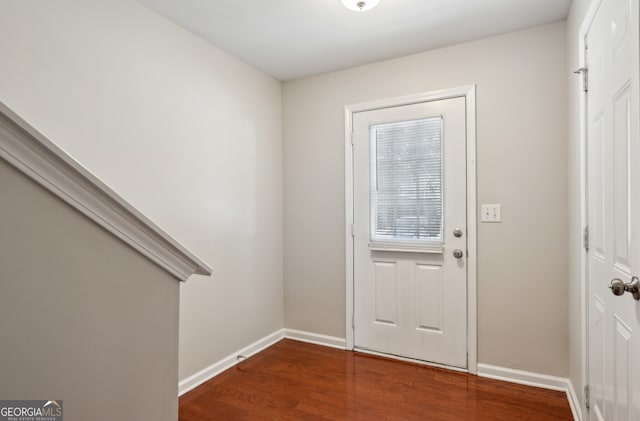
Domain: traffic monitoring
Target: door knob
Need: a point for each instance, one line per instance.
(618, 287)
(457, 232)
(457, 253)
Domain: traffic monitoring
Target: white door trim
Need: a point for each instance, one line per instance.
(589, 16)
(469, 93)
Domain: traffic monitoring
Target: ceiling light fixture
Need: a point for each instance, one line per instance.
(360, 5)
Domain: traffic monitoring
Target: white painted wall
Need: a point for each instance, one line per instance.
(186, 133)
(522, 164)
(576, 298)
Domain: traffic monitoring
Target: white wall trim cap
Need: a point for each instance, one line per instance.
(30, 152)
(528, 378)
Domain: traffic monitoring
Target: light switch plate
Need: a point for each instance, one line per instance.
(490, 213)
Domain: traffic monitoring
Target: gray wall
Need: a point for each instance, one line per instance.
(83, 317)
(522, 164)
(133, 97)
(186, 133)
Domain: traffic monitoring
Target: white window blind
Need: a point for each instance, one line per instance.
(407, 183)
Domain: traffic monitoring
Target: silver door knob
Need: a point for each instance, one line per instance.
(457, 253)
(457, 232)
(619, 288)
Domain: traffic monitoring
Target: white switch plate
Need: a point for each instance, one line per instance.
(490, 213)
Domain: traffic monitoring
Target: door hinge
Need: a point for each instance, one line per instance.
(585, 238)
(353, 230)
(351, 137)
(353, 321)
(586, 396)
(584, 71)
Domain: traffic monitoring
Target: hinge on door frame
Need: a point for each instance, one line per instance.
(584, 71)
(353, 230)
(586, 396)
(353, 321)
(352, 137)
(585, 237)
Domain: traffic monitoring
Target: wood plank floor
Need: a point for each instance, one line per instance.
(298, 381)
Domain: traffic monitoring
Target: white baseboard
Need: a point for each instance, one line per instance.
(574, 402)
(315, 338)
(226, 363)
(528, 378)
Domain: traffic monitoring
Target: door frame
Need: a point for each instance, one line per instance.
(590, 14)
(469, 93)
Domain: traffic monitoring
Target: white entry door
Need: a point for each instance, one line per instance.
(613, 212)
(410, 234)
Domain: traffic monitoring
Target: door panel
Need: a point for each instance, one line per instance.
(385, 292)
(429, 297)
(621, 370)
(597, 354)
(410, 292)
(622, 235)
(613, 210)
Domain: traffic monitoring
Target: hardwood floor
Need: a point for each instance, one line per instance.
(298, 381)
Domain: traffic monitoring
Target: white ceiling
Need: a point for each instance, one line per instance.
(289, 39)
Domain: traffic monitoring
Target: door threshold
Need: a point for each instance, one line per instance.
(410, 360)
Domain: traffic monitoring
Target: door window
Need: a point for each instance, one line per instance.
(406, 169)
